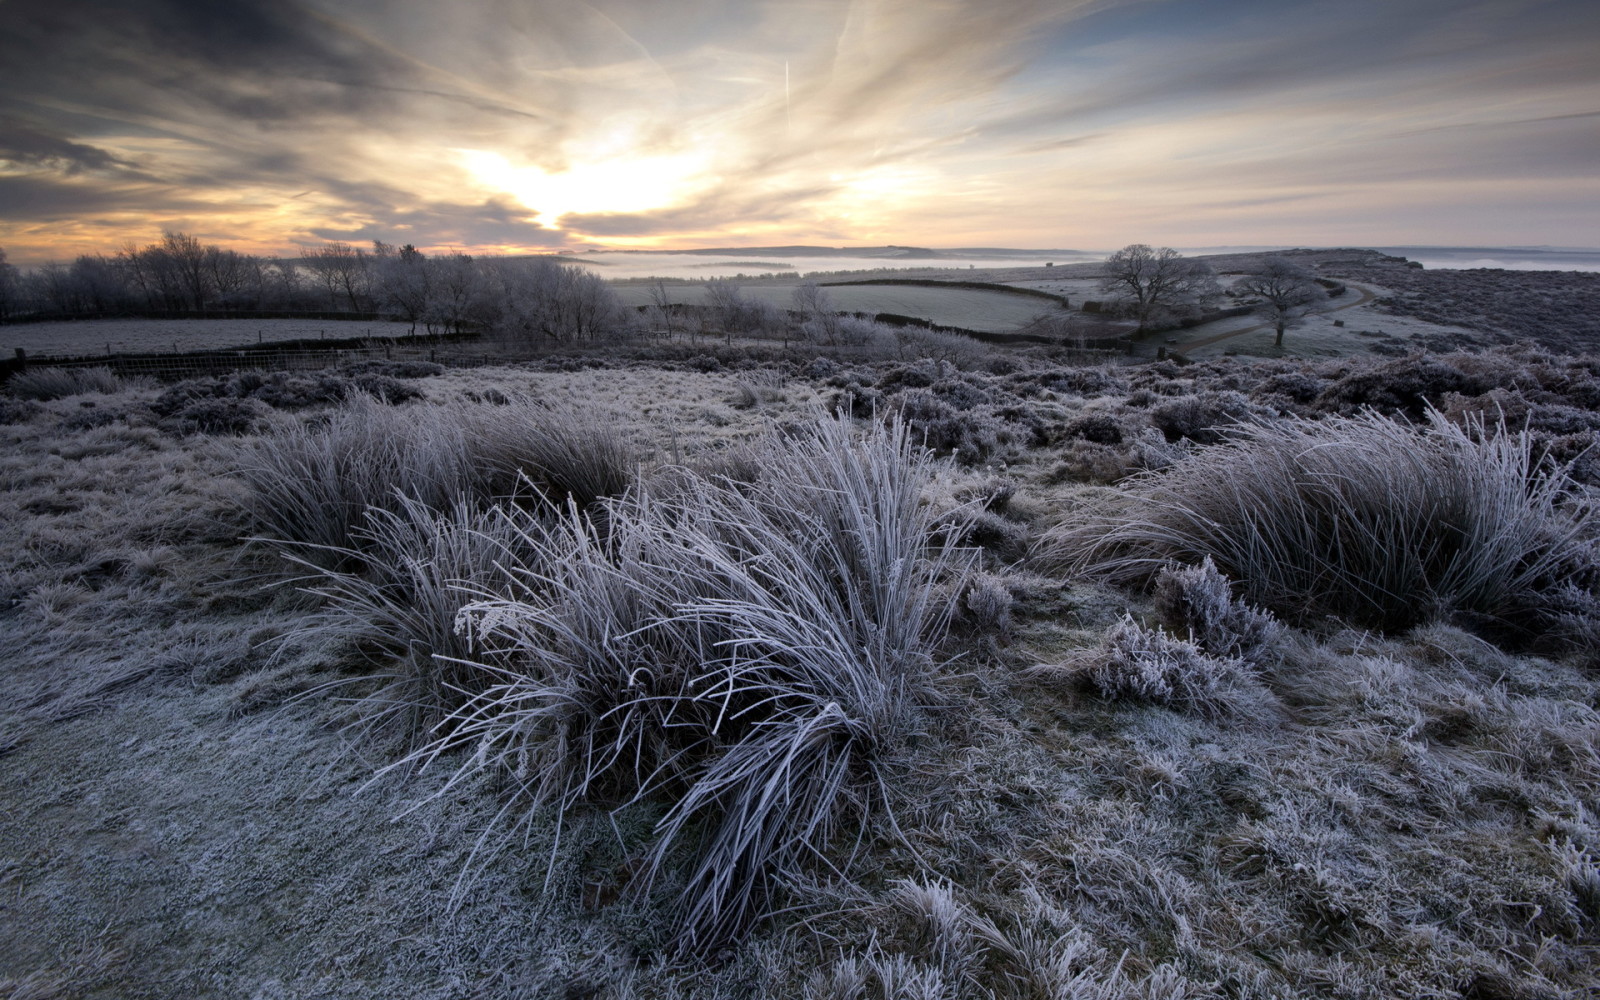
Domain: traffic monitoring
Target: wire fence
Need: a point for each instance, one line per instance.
(170, 367)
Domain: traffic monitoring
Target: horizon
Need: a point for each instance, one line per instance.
(536, 126)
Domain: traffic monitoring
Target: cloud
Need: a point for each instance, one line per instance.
(929, 122)
(25, 145)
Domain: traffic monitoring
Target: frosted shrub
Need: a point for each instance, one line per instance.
(1151, 665)
(1197, 601)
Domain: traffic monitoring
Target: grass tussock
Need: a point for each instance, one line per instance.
(1370, 521)
(58, 383)
(419, 566)
(311, 484)
(747, 652)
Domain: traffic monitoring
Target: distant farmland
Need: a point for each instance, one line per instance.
(968, 308)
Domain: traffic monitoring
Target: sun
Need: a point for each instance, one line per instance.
(602, 185)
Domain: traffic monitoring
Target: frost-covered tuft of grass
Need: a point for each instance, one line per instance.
(746, 651)
(312, 483)
(59, 383)
(418, 567)
(1371, 521)
(1153, 666)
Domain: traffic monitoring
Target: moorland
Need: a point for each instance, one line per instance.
(736, 646)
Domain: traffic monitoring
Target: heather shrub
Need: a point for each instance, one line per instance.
(1197, 601)
(992, 493)
(59, 383)
(1100, 428)
(1410, 385)
(972, 436)
(386, 388)
(286, 391)
(393, 369)
(1149, 665)
(1202, 417)
(88, 416)
(1364, 519)
(1090, 462)
(1293, 386)
(220, 416)
(986, 604)
(18, 411)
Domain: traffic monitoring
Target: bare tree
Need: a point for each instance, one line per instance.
(661, 306)
(342, 268)
(555, 300)
(725, 305)
(1155, 281)
(1286, 290)
(228, 271)
(817, 313)
(454, 291)
(402, 280)
(281, 281)
(187, 258)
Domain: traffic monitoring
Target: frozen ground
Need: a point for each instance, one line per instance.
(188, 813)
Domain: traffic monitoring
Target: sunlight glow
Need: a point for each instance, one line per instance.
(621, 183)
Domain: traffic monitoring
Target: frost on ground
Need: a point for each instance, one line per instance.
(221, 780)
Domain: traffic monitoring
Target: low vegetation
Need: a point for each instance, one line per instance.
(827, 674)
(1360, 519)
(1557, 309)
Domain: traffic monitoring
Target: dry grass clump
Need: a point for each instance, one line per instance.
(58, 383)
(419, 566)
(1361, 518)
(747, 652)
(311, 484)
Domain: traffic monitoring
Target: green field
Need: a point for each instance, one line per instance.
(968, 308)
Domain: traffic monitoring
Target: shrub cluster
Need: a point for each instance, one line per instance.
(1557, 309)
(381, 380)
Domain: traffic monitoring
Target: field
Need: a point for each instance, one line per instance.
(969, 309)
(797, 708)
(150, 336)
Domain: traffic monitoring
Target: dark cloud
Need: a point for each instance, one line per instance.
(494, 222)
(25, 145)
(349, 118)
(33, 198)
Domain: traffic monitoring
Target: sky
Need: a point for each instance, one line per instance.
(517, 125)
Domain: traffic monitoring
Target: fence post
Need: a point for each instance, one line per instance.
(22, 360)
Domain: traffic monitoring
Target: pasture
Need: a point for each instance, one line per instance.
(969, 309)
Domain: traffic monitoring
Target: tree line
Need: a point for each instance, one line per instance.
(443, 293)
